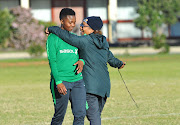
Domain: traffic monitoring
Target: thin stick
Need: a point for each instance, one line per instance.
(128, 90)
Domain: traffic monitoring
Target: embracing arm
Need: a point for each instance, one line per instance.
(74, 40)
(114, 62)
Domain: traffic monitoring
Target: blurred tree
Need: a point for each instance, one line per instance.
(153, 14)
(26, 30)
(35, 50)
(47, 24)
(5, 22)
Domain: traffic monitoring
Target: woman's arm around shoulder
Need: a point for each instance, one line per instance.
(72, 39)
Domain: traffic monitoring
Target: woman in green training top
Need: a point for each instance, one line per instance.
(66, 84)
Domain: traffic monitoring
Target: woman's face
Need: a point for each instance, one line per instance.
(68, 23)
(85, 29)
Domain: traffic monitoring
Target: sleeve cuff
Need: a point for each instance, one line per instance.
(51, 28)
(58, 82)
(120, 65)
(82, 60)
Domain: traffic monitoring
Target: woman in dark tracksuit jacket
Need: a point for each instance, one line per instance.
(94, 50)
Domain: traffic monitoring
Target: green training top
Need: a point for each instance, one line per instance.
(61, 58)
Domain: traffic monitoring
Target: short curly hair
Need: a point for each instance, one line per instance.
(66, 11)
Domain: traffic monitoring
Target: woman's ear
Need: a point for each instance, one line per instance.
(92, 31)
(62, 21)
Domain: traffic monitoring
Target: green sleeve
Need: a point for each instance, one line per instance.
(51, 53)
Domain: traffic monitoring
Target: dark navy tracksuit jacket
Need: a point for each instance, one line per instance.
(94, 50)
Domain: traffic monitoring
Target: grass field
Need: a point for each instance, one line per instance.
(153, 80)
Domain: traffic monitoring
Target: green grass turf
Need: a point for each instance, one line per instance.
(153, 80)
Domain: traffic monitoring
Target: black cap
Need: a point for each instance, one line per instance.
(94, 22)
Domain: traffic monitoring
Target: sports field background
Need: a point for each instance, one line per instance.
(153, 80)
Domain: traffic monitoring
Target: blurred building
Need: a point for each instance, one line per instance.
(117, 16)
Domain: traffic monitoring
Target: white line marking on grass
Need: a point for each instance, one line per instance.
(123, 117)
(153, 115)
